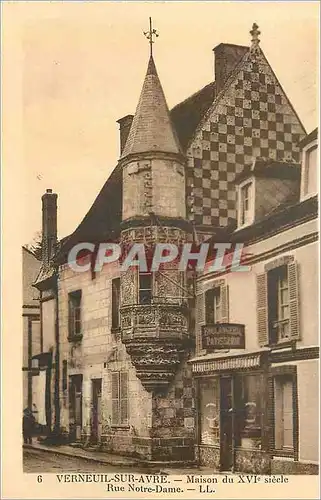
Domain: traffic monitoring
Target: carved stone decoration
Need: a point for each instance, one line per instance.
(155, 336)
(128, 286)
(155, 362)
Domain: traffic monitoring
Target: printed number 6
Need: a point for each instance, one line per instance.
(39, 479)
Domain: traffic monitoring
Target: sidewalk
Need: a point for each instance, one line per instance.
(90, 455)
(102, 457)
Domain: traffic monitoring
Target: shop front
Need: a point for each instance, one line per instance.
(232, 407)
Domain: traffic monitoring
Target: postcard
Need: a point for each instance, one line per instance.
(160, 250)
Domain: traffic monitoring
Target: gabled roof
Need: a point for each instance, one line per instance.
(187, 114)
(309, 138)
(270, 168)
(152, 129)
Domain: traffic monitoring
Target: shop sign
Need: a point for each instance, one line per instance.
(223, 336)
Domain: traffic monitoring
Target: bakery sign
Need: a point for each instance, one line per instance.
(223, 336)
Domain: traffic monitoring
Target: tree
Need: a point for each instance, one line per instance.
(35, 246)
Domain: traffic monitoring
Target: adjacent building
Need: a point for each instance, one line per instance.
(256, 365)
(122, 351)
(31, 324)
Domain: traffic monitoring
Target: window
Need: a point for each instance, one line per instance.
(283, 413)
(278, 312)
(210, 411)
(309, 174)
(213, 306)
(64, 375)
(145, 288)
(119, 388)
(279, 304)
(245, 204)
(248, 392)
(75, 313)
(115, 303)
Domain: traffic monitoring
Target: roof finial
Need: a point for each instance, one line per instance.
(255, 32)
(150, 35)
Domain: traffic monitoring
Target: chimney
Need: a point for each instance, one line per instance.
(227, 56)
(49, 225)
(124, 127)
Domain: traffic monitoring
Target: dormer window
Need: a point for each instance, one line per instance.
(309, 180)
(245, 207)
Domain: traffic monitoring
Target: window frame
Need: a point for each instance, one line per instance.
(115, 325)
(72, 309)
(212, 295)
(276, 324)
(241, 220)
(286, 372)
(305, 170)
(139, 289)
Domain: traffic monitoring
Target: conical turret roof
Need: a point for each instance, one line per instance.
(152, 129)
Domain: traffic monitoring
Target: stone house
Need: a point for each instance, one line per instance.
(120, 341)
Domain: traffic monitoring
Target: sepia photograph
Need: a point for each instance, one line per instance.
(168, 234)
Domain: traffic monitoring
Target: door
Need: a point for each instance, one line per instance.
(75, 417)
(226, 434)
(96, 410)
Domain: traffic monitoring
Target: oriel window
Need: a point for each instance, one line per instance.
(145, 288)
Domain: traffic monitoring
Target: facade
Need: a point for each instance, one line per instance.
(258, 402)
(31, 324)
(118, 345)
(46, 359)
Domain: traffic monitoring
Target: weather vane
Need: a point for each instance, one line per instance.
(150, 35)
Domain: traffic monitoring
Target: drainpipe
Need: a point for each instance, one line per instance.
(57, 430)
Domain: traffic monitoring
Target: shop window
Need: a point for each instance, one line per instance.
(145, 288)
(213, 310)
(210, 412)
(119, 389)
(74, 306)
(283, 414)
(115, 302)
(248, 392)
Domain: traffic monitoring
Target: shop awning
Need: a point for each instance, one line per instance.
(215, 362)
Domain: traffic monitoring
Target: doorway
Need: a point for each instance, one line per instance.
(96, 411)
(226, 424)
(75, 417)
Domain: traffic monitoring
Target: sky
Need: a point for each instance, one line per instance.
(73, 68)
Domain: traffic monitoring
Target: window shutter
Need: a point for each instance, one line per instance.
(200, 309)
(123, 397)
(294, 300)
(115, 398)
(224, 304)
(200, 319)
(262, 309)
